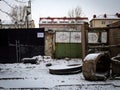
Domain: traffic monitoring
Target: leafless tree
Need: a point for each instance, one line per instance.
(75, 12)
(18, 13)
(7, 13)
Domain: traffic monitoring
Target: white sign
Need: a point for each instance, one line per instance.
(68, 37)
(104, 37)
(40, 35)
(92, 38)
(75, 37)
(62, 37)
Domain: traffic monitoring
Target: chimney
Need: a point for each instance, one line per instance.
(94, 16)
(105, 16)
(118, 15)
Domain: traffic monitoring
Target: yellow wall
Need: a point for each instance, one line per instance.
(102, 22)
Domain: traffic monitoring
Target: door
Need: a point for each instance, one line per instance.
(21, 43)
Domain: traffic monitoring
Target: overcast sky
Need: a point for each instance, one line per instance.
(60, 8)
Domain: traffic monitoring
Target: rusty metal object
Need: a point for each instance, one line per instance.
(96, 66)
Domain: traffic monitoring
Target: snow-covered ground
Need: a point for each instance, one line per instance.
(37, 76)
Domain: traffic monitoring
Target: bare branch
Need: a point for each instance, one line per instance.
(76, 12)
(8, 14)
(18, 13)
(7, 4)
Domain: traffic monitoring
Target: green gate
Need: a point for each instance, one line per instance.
(68, 44)
(70, 50)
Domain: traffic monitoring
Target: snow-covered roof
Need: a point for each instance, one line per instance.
(9, 22)
(62, 20)
(107, 16)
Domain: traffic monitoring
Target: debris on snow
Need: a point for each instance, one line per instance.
(36, 59)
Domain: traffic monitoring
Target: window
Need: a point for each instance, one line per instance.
(110, 22)
(103, 22)
(55, 22)
(66, 22)
(72, 22)
(49, 22)
(61, 21)
(79, 21)
(43, 21)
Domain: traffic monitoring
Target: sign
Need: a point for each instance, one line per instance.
(68, 37)
(75, 37)
(40, 35)
(104, 37)
(62, 37)
(92, 38)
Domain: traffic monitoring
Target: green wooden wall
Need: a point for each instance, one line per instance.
(69, 50)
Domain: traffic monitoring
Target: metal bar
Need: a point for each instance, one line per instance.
(106, 46)
(106, 28)
(16, 50)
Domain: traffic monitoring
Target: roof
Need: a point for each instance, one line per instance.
(9, 22)
(106, 16)
(115, 24)
(64, 18)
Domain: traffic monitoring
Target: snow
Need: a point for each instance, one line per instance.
(19, 75)
(108, 17)
(92, 56)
